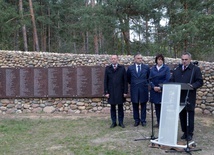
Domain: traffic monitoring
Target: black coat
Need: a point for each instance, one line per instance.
(115, 84)
(185, 76)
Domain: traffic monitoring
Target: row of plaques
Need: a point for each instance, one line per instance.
(81, 81)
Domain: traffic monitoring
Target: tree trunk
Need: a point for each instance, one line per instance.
(85, 38)
(43, 30)
(100, 41)
(126, 34)
(86, 42)
(49, 31)
(147, 34)
(185, 21)
(43, 37)
(96, 44)
(35, 36)
(23, 26)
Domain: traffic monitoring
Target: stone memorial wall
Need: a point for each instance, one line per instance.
(35, 82)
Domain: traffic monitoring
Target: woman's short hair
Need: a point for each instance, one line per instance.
(159, 56)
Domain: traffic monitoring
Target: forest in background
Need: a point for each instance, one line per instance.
(121, 27)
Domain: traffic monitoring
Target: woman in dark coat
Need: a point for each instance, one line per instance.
(116, 89)
(159, 74)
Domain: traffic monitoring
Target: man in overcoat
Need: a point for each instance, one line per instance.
(137, 77)
(190, 74)
(116, 89)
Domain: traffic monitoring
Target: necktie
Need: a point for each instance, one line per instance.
(138, 70)
(185, 67)
(114, 66)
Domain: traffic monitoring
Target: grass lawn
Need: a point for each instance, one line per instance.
(87, 135)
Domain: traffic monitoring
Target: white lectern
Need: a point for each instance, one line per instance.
(170, 109)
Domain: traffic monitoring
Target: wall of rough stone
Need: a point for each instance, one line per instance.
(205, 96)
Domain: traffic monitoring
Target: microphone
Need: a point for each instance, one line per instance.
(195, 63)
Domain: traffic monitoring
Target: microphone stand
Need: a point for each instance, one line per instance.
(152, 137)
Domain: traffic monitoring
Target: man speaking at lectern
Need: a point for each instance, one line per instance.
(191, 74)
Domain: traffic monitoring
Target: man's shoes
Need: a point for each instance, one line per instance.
(121, 125)
(113, 125)
(136, 124)
(184, 136)
(143, 123)
(189, 138)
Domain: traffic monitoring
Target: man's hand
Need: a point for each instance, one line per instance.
(107, 95)
(157, 89)
(125, 95)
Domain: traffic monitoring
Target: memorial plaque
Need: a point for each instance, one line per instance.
(83, 81)
(2, 83)
(97, 73)
(26, 82)
(40, 82)
(12, 82)
(69, 80)
(55, 82)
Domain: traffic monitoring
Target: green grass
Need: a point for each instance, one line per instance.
(57, 136)
(79, 136)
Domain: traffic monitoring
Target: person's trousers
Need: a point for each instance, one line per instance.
(136, 113)
(157, 112)
(183, 121)
(114, 113)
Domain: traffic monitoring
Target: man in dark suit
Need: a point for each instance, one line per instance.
(137, 77)
(116, 89)
(190, 74)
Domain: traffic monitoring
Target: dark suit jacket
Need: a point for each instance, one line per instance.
(138, 84)
(115, 84)
(180, 76)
